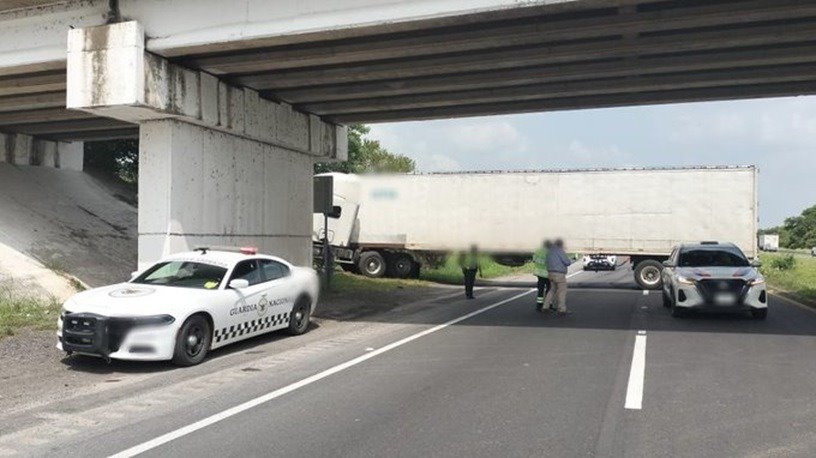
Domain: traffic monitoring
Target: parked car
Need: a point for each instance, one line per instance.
(187, 304)
(713, 276)
(600, 262)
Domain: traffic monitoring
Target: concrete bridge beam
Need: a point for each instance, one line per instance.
(218, 165)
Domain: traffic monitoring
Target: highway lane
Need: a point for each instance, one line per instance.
(514, 382)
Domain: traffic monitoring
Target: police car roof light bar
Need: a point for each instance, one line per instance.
(232, 249)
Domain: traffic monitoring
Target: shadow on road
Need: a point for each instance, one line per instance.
(95, 365)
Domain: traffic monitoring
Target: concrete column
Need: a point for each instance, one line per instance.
(218, 164)
(20, 149)
(70, 156)
(201, 187)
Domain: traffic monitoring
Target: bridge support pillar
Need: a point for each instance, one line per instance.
(218, 164)
(22, 149)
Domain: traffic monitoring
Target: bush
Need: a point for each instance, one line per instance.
(787, 262)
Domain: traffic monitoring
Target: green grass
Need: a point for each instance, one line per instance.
(18, 310)
(450, 272)
(347, 283)
(800, 280)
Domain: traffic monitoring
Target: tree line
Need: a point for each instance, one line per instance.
(796, 231)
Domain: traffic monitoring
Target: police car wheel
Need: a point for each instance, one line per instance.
(192, 341)
(299, 318)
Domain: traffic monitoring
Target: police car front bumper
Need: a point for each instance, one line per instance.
(125, 338)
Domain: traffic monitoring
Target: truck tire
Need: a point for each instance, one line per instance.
(400, 265)
(647, 274)
(371, 264)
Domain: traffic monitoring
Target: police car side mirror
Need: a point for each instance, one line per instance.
(238, 283)
(756, 263)
(668, 264)
(134, 274)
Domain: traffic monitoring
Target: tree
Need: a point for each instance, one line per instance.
(366, 155)
(800, 230)
(118, 159)
(796, 231)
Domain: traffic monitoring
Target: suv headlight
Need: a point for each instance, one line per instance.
(756, 281)
(684, 280)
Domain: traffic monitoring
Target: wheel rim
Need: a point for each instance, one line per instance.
(373, 266)
(650, 275)
(300, 317)
(194, 341)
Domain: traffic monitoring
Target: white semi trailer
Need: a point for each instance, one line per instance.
(388, 223)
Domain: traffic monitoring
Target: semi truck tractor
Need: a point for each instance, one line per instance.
(386, 225)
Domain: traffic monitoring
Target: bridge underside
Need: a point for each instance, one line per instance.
(581, 54)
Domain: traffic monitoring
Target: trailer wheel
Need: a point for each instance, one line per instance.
(400, 265)
(371, 264)
(647, 274)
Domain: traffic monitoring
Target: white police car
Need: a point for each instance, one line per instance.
(187, 304)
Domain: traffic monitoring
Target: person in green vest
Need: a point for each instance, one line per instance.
(540, 271)
(469, 262)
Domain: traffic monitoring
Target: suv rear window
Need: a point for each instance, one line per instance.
(708, 257)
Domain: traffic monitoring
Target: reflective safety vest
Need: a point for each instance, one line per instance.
(540, 263)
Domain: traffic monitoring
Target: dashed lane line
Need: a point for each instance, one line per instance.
(637, 374)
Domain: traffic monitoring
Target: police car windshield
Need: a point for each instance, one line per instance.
(719, 257)
(184, 274)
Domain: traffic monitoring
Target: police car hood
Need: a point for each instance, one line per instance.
(130, 299)
(702, 273)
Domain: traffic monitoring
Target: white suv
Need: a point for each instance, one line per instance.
(713, 276)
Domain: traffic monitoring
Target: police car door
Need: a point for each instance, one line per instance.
(249, 305)
(280, 293)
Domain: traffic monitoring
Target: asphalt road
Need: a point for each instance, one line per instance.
(505, 381)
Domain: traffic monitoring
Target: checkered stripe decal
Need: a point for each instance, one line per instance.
(249, 327)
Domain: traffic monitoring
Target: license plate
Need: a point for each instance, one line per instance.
(725, 299)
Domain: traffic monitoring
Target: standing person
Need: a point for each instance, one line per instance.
(557, 264)
(469, 262)
(540, 271)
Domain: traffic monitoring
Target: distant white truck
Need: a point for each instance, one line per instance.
(769, 242)
(387, 224)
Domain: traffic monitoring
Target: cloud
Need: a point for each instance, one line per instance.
(488, 135)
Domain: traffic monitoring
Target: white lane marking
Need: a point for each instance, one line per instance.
(634, 391)
(645, 292)
(172, 435)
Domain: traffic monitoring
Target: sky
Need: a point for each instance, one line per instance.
(777, 135)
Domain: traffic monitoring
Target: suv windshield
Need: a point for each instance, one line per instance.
(183, 274)
(698, 257)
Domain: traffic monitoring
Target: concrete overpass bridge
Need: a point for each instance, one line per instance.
(233, 101)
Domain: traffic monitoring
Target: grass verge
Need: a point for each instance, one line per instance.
(18, 310)
(451, 273)
(799, 280)
(346, 283)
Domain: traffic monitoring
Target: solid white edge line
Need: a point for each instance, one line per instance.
(634, 390)
(165, 438)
